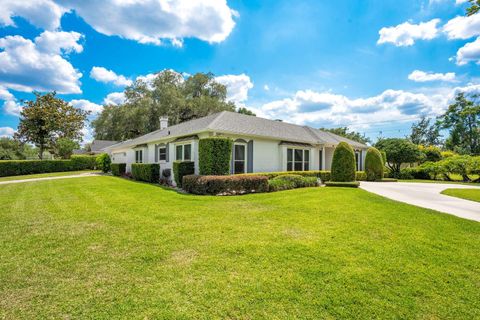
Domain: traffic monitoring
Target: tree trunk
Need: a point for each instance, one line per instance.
(465, 178)
(40, 152)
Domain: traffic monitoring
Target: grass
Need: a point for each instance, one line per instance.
(105, 247)
(441, 181)
(468, 194)
(45, 175)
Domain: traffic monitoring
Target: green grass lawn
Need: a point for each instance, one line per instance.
(105, 247)
(441, 181)
(469, 194)
(45, 175)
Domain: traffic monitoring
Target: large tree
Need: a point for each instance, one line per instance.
(398, 151)
(462, 119)
(424, 133)
(11, 149)
(169, 94)
(352, 135)
(46, 119)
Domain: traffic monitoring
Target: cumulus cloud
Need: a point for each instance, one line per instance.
(422, 76)
(463, 27)
(114, 98)
(237, 86)
(86, 105)
(469, 52)
(406, 33)
(27, 65)
(6, 132)
(108, 76)
(148, 21)
(5, 94)
(12, 107)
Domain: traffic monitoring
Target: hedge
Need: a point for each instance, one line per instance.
(84, 162)
(348, 184)
(343, 163)
(214, 156)
(148, 172)
(374, 164)
(225, 185)
(104, 162)
(181, 169)
(118, 169)
(291, 181)
(322, 175)
(24, 167)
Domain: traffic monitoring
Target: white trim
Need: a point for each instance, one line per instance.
(245, 161)
(182, 144)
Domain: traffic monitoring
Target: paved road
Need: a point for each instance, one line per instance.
(80, 175)
(427, 195)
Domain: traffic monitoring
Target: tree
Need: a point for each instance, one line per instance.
(246, 111)
(424, 133)
(47, 119)
(399, 151)
(462, 118)
(64, 147)
(169, 94)
(352, 135)
(474, 7)
(11, 149)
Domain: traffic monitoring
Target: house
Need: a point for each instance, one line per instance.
(260, 145)
(96, 147)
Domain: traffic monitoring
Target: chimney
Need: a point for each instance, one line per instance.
(163, 122)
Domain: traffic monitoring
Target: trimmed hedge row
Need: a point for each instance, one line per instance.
(224, 185)
(291, 181)
(118, 169)
(347, 184)
(181, 169)
(214, 156)
(322, 175)
(24, 167)
(148, 172)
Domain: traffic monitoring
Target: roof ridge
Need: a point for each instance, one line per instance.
(312, 133)
(215, 119)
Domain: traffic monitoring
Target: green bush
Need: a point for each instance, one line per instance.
(343, 163)
(361, 176)
(347, 184)
(387, 180)
(181, 169)
(118, 169)
(430, 154)
(374, 165)
(225, 185)
(103, 162)
(84, 162)
(384, 157)
(322, 175)
(214, 156)
(148, 172)
(291, 181)
(24, 167)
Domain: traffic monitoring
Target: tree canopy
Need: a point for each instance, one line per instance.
(424, 133)
(398, 151)
(352, 135)
(11, 149)
(169, 94)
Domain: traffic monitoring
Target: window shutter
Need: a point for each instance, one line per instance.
(250, 156)
(168, 152)
(156, 153)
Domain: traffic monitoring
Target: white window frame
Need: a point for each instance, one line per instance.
(303, 158)
(183, 151)
(162, 147)
(245, 161)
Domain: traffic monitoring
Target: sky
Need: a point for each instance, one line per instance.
(375, 66)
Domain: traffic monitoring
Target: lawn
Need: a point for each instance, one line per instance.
(45, 175)
(441, 181)
(468, 194)
(105, 247)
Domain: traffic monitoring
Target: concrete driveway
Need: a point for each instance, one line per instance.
(427, 195)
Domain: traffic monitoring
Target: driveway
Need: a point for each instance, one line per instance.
(80, 175)
(427, 195)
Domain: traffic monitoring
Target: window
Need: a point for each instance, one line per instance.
(298, 160)
(239, 158)
(321, 159)
(357, 160)
(183, 152)
(138, 156)
(162, 153)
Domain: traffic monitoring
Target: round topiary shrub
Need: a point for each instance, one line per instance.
(343, 163)
(374, 164)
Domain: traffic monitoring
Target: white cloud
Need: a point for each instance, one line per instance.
(45, 14)
(114, 98)
(87, 105)
(12, 107)
(5, 95)
(469, 52)
(104, 75)
(6, 132)
(463, 27)
(266, 87)
(422, 76)
(237, 86)
(406, 33)
(457, 2)
(147, 21)
(27, 65)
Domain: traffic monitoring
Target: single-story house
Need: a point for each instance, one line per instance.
(260, 145)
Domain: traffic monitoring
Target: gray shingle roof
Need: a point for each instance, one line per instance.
(236, 123)
(98, 145)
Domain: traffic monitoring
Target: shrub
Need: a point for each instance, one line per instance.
(347, 184)
(148, 172)
(23, 167)
(373, 164)
(214, 156)
(343, 163)
(384, 157)
(387, 180)
(291, 181)
(118, 169)
(431, 153)
(103, 162)
(361, 176)
(84, 162)
(181, 169)
(225, 185)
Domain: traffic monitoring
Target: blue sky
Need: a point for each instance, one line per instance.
(375, 66)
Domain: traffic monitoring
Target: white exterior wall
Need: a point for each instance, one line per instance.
(267, 156)
(328, 158)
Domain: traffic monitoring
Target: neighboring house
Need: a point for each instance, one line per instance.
(260, 145)
(96, 147)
